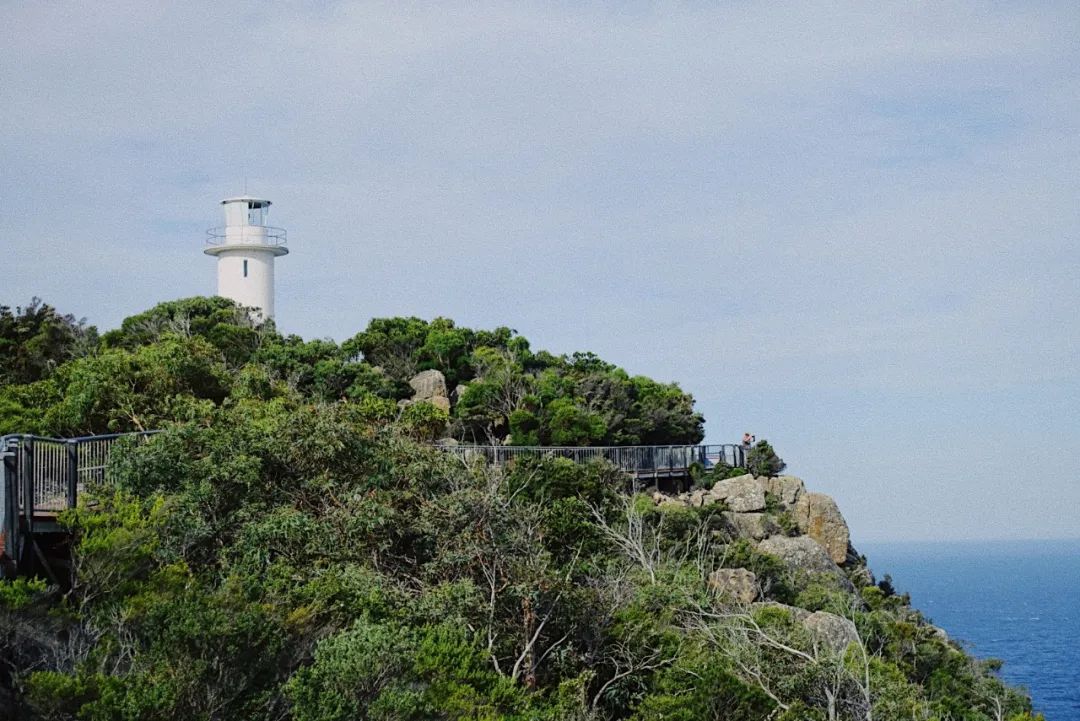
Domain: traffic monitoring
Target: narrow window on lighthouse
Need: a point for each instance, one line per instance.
(245, 269)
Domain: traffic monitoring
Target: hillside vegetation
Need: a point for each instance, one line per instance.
(182, 360)
(293, 547)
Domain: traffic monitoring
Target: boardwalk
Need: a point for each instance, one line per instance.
(641, 462)
(39, 477)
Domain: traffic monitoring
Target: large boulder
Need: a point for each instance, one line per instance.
(735, 584)
(428, 384)
(742, 494)
(832, 631)
(829, 630)
(788, 489)
(755, 526)
(802, 553)
(818, 516)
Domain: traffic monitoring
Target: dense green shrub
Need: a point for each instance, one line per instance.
(762, 460)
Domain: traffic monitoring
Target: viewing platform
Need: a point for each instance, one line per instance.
(40, 476)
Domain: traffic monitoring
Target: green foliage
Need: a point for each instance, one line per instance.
(787, 523)
(291, 546)
(119, 390)
(181, 359)
(570, 424)
(771, 572)
(820, 593)
(20, 592)
(423, 421)
(23, 408)
(384, 671)
(218, 321)
(719, 472)
(36, 339)
(763, 461)
(703, 688)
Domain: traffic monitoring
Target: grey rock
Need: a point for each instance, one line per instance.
(428, 384)
(802, 553)
(697, 498)
(755, 526)
(743, 494)
(832, 631)
(787, 489)
(735, 584)
(669, 501)
(829, 630)
(440, 402)
(818, 516)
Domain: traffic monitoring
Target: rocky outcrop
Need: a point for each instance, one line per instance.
(735, 584)
(786, 489)
(742, 494)
(429, 387)
(754, 505)
(440, 402)
(428, 384)
(818, 516)
(832, 631)
(802, 553)
(829, 630)
(755, 526)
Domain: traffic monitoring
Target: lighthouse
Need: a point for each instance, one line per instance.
(245, 249)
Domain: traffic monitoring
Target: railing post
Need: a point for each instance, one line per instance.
(9, 490)
(26, 470)
(72, 473)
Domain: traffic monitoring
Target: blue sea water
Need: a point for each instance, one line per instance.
(1018, 601)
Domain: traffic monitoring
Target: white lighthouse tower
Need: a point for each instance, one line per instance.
(245, 250)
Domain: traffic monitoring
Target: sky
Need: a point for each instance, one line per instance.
(850, 228)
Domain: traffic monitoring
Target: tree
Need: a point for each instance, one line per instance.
(233, 330)
(391, 344)
(763, 461)
(36, 339)
(176, 379)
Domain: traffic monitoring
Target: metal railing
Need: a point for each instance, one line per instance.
(639, 461)
(40, 476)
(246, 235)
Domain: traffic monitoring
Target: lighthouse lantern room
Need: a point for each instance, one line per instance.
(245, 249)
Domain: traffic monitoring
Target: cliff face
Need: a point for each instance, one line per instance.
(804, 530)
(760, 508)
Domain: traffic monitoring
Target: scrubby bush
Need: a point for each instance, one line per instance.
(762, 460)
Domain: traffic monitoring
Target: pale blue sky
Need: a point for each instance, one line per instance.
(849, 228)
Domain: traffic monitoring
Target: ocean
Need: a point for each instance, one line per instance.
(1018, 601)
